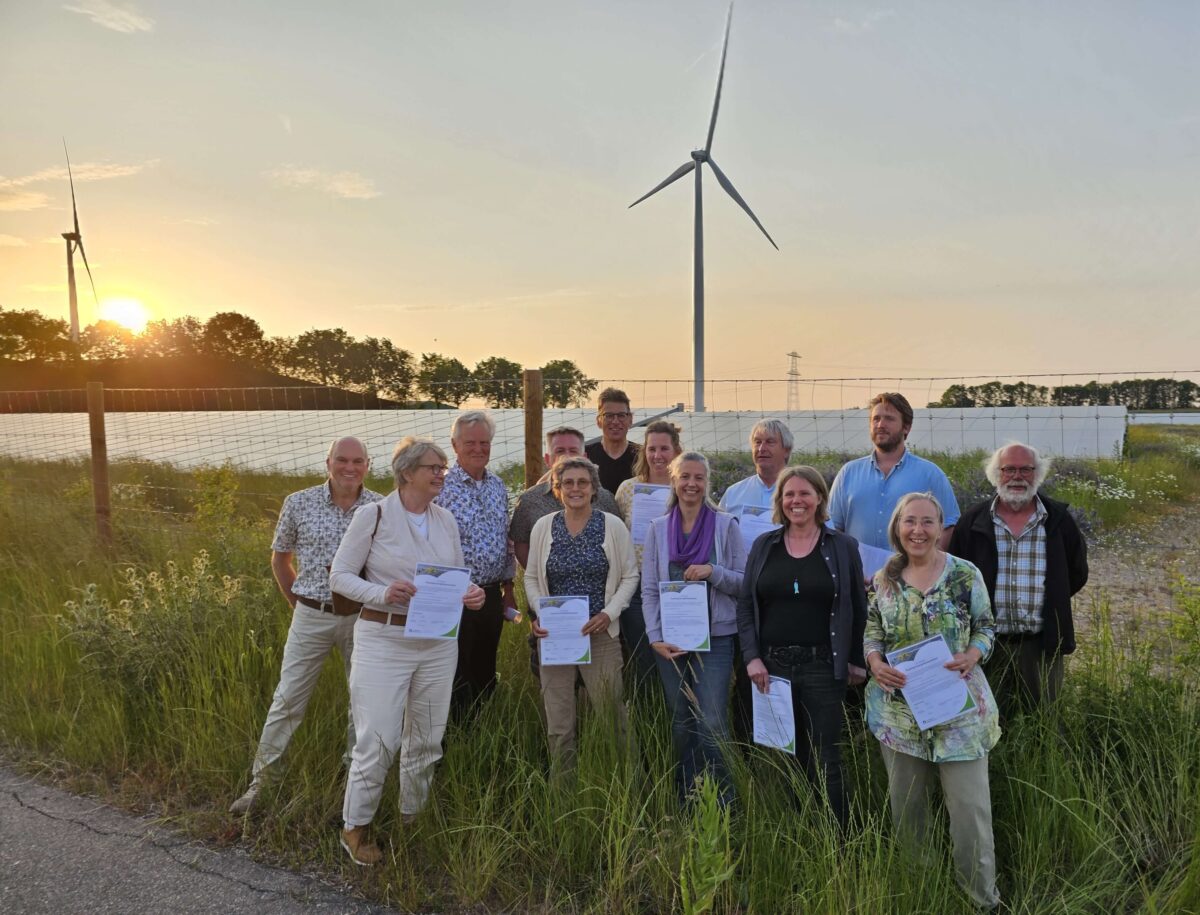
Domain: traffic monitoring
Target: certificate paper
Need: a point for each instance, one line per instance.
(774, 721)
(564, 617)
(649, 502)
(873, 559)
(754, 521)
(683, 606)
(435, 611)
(933, 693)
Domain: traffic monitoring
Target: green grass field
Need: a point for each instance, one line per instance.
(145, 676)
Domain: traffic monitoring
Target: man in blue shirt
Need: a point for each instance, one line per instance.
(866, 490)
(771, 447)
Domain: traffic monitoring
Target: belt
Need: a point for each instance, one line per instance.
(790, 655)
(324, 607)
(1017, 636)
(379, 616)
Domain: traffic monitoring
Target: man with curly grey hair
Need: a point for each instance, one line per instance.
(1033, 559)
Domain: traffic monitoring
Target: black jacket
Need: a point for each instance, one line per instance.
(848, 618)
(974, 539)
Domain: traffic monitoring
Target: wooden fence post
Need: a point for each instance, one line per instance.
(100, 490)
(532, 379)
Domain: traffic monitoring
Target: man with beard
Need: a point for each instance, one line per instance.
(867, 489)
(1033, 559)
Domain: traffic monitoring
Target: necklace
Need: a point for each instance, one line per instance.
(804, 550)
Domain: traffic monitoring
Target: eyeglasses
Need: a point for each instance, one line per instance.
(615, 417)
(1026, 471)
(575, 484)
(438, 470)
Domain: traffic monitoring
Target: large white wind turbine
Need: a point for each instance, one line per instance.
(74, 242)
(700, 157)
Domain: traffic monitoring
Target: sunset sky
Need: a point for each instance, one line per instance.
(955, 187)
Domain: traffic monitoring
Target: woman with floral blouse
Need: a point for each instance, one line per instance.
(920, 592)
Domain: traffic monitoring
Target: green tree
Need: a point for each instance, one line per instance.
(233, 336)
(181, 337)
(564, 385)
(391, 369)
(324, 356)
(29, 334)
(498, 381)
(106, 340)
(443, 379)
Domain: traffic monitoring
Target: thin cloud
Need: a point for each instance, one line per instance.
(202, 221)
(11, 241)
(44, 287)
(17, 200)
(286, 123)
(548, 297)
(14, 195)
(123, 19)
(346, 185)
(861, 24)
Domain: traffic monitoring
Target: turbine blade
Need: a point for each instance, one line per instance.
(71, 178)
(83, 254)
(674, 176)
(732, 192)
(712, 124)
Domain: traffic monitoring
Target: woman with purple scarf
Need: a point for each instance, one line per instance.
(695, 541)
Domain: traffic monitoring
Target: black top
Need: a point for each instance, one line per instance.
(795, 597)
(613, 472)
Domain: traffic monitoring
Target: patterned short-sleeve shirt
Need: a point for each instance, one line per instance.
(311, 527)
(958, 608)
(578, 565)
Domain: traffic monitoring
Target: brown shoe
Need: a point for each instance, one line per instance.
(362, 850)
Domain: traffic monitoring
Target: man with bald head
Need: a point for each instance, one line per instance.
(1033, 559)
(310, 528)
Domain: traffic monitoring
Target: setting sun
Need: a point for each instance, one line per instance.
(127, 312)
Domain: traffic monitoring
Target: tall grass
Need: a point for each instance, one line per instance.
(159, 702)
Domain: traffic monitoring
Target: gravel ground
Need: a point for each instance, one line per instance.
(1135, 569)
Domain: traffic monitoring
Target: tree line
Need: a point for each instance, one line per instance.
(329, 357)
(1134, 394)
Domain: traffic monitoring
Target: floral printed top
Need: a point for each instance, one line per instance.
(577, 565)
(957, 606)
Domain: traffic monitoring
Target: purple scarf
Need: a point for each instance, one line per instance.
(696, 549)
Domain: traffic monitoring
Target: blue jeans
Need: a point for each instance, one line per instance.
(696, 687)
(639, 656)
(817, 704)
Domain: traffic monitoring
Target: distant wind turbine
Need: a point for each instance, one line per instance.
(75, 242)
(699, 157)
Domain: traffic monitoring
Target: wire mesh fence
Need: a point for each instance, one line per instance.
(170, 449)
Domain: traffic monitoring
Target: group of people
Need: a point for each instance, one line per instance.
(783, 558)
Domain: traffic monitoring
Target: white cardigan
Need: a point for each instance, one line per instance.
(393, 554)
(622, 579)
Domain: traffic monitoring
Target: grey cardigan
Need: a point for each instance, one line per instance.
(847, 616)
(725, 583)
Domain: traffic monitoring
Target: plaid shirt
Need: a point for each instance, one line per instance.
(312, 526)
(1021, 577)
(481, 510)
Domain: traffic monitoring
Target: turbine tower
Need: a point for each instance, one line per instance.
(699, 158)
(75, 242)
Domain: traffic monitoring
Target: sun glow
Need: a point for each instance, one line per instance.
(128, 313)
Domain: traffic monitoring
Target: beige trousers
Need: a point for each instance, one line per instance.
(969, 805)
(400, 693)
(603, 681)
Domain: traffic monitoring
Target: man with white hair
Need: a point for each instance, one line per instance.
(1033, 559)
(478, 499)
(310, 529)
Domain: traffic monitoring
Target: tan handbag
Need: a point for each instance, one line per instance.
(342, 605)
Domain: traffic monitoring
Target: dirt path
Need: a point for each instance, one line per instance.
(1136, 569)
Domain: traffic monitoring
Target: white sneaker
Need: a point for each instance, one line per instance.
(245, 803)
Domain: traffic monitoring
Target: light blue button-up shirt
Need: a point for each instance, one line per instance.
(750, 491)
(862, 499)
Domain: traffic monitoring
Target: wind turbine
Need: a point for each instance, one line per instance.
(699, 158)
(75, 242)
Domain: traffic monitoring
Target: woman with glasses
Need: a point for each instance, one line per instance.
(801, 615)
(581, 552)
(923, 592)
(399, 687)
(653, 465)
(695, 541)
